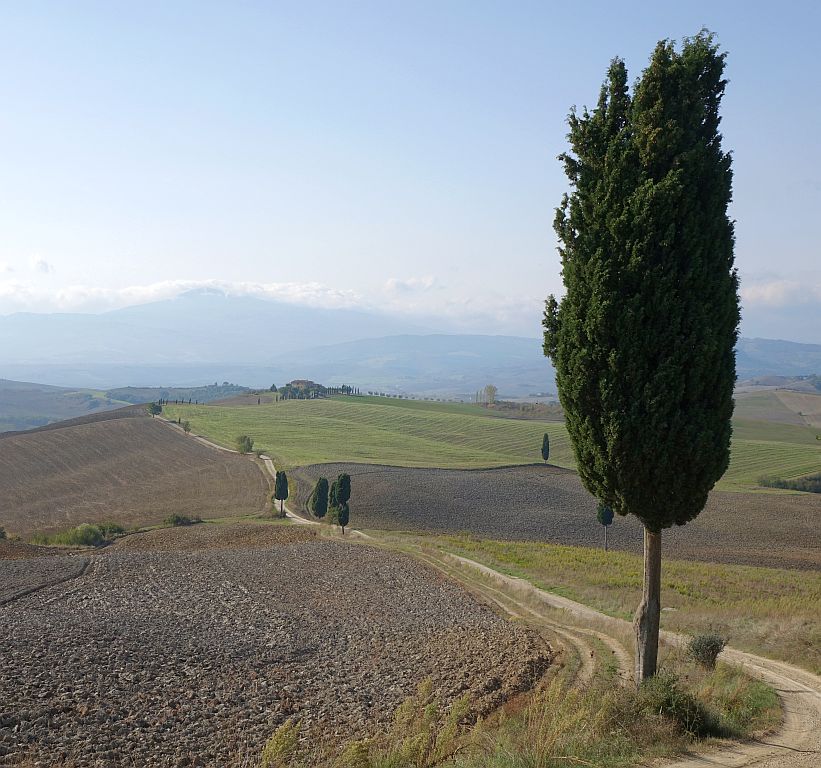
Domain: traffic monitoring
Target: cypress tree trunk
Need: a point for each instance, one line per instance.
(646, 621)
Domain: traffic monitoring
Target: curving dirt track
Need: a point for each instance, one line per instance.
(546, 503)
(189, 646)
(797, 743)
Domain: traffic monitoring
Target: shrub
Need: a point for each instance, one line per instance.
(807, 483)
(245, 444)
(110, 530)
(280, 751)
(3, 534)
(84, 535)
(662, 695)
(704, 649)
(177, 520)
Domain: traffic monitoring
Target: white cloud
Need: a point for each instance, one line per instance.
(396, 285)
(780, 292)
(18, 295)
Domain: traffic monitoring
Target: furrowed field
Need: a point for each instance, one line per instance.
(416, 434)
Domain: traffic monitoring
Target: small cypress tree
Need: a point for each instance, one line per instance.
(334, 499)
(319, 498)
(281, 490)
(343, 488)
(546, 447)
(343, 515)
(605, 516)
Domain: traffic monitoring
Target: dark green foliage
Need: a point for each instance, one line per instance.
(319, 498)
(343, 488)
(643, 341)
(155, 409)
(604, 514)
(281, 490)
(3, 534)
(808, 483)
(186, 426)
(245, 444)
(343, 515)
(546, 446)
(303, 389)
(334, 495)
(705, 648)
(178, 520)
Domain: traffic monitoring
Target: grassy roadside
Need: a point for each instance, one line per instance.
(603, 724)
(768, 611)
(419, 434)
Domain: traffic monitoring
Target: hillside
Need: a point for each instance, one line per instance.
(206, 336)
(128, 468)
(459, 436)
(24, 405)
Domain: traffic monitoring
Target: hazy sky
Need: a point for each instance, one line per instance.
(399, 155)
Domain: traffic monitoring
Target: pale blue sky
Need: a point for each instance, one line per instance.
(397, 154)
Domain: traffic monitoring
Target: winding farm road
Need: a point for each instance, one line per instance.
(797, 744)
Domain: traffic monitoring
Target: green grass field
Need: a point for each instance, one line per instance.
(769, 611)
(298, 432)
(454, 435)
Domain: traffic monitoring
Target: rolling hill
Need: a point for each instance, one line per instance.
(206, 336)
(459, 436)
(120, 466)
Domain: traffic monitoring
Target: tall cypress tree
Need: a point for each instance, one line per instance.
(281, 490)
(643, 341)
(319, 498)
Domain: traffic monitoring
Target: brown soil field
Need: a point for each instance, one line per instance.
(545, 503)
(126, 468)
(190, 646)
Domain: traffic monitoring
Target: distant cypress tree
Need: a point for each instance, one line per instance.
(343, 516)
(643, 341)
(319, 498)
(343, 488)
(281, 490)
(605, 517)
(343, 496)
(546, 447)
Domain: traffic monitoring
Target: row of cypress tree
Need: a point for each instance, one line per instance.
(333, 498)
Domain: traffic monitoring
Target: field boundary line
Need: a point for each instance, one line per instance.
(52, 583)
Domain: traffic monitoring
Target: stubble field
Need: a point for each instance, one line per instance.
(122, 467)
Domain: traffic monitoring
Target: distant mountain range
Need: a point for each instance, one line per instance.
(205, 337)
